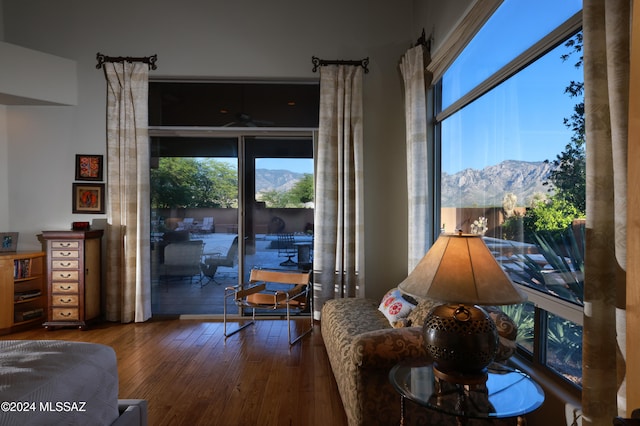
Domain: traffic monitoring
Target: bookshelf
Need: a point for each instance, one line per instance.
(23, 299)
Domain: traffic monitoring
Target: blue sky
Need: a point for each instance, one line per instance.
(530, 130)
(297, 165)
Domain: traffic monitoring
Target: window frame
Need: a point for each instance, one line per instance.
(544, 304)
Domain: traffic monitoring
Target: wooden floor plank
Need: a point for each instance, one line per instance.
(191, 375)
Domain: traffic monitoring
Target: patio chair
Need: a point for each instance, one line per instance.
(260, 294)
(185, 225)
(286, 247)
(208, 225)
(212, 262)
(182, 260)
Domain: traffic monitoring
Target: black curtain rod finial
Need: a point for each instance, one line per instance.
(423, 41)
(150, 60)
(317, 62)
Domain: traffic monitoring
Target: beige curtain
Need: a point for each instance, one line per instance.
(419, 155)
(128, 274)
(606, 74)
(338, 241)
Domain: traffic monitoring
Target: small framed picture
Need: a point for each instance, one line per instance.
(8, 241)
(89, 167)
(88, 198)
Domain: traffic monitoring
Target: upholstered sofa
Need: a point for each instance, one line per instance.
(363, 345)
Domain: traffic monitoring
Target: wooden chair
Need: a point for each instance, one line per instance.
(257, 294)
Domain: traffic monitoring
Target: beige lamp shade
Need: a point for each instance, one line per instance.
(459, 268)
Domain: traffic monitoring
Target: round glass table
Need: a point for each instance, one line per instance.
(503, 393)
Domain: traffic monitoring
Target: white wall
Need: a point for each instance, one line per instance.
(1, 20)
(4, 171)
(209, 39)
(439, 18)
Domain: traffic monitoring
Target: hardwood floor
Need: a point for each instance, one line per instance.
(191, 375)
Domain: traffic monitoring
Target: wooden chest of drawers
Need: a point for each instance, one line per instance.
(74, 277)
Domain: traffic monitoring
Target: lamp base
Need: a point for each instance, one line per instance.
(462, 340)
(477, 378)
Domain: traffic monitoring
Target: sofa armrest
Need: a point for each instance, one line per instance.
(385, 348)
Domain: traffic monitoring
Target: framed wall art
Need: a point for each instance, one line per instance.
(8, 241)
(89, 167)
(88, 198)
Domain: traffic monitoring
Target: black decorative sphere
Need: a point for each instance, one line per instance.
(460, 339)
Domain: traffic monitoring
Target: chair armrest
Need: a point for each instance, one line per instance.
(385, 348)
(296, 291)
(240, 294)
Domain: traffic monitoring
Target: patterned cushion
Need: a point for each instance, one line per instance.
(417, 316)
(507, 333)
(395, 307)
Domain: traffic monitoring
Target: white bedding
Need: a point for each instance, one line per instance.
(52, 382)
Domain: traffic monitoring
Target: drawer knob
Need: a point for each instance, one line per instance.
(65, 314)
(65, 254)
(65, 300)
(65, 275)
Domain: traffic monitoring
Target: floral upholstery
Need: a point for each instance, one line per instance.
(362, 347)
(507, 333)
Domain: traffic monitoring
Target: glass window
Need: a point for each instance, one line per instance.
(512, 29)
(501, 164)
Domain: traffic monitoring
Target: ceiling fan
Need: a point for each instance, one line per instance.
(245, 120)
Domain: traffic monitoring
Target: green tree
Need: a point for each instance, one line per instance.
(554, 216)
(302, 191)
(191, 183)
(274, 198)
(222, 190)
(297, 196)
(568, 176)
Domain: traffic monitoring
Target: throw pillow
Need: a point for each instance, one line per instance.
(394, 306)
(417, 316)
(507, 333)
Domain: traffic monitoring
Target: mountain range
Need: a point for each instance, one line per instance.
(487, 187)
(278, 180)
(466, 188)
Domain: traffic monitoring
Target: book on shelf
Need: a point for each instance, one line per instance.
(20, 296)
(20, 316)
(21, 268)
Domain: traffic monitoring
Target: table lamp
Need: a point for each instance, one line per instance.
(459, 335)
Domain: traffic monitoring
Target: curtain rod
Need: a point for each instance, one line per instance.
(422, 41)
(151, 60)
(317, 62)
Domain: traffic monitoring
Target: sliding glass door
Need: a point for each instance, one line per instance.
(224, 202)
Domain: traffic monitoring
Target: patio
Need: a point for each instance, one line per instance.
(205, 296)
